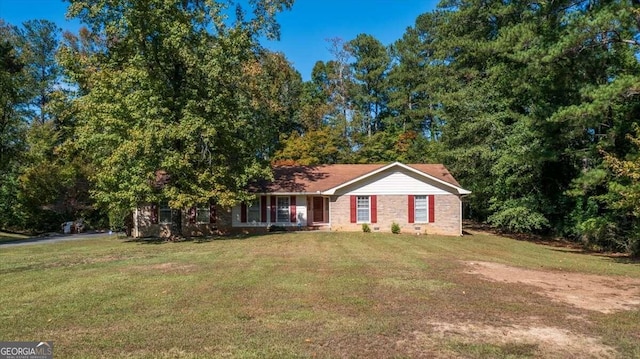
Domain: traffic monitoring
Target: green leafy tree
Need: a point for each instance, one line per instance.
(412, 79)
(38, 47)
(335, 78)
(80, 56)
(620, 228)
(318, 139)
(370, 93)
(43, 186)
(12, 127)
(608, 110)
(275, 87)
(468, 86)
(172, 112)
(313, 147)
(517, 101)
(53, 184)
(44, 180)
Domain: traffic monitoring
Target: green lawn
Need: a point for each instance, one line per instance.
(300, 295)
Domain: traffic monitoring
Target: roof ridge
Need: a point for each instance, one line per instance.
(358, 164)
(290, 178)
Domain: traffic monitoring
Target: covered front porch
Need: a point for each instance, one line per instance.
(283, 210)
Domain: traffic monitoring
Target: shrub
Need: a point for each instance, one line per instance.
(366, 228)
(395, 228)
(516, 216)
(275, 228)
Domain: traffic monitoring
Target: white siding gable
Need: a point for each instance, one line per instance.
(396, 182)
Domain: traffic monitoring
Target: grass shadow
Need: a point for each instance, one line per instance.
(240, 236)
(150, 240)
(198, 240)
(546, 240)
(617, 257)
(627, 260)
(621, 258)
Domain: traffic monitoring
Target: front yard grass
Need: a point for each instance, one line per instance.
(300, 295)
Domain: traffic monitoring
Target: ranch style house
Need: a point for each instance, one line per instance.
(420, 198)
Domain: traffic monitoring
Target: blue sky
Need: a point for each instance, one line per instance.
(304, 29)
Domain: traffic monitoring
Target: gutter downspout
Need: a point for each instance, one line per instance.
(461, 216)
(461, 196)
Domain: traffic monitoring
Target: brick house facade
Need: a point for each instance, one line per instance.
(395, 208)
(420, 198)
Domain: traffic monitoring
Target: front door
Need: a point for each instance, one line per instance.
(318, 209)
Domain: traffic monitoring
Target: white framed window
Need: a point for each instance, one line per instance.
(420, 209)
(363, 209)
(282, 207)
(253, 212)
(203, 214)
(164, 213)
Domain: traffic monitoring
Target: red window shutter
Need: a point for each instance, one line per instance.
(432, 208)
(212, 212)
(411, 209)
(154, 213)
(292, 209)
(273, 208)
(354, 217)
(263, 208)
(243, 213)
(374, 209)
(192, 215)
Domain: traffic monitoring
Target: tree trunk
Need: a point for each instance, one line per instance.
(176, 225)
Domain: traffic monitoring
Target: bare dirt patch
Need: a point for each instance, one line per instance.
(586, 291)
(549, 341)
(168, 267)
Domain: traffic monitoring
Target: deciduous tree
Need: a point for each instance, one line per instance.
(12, 127)
(175, 93)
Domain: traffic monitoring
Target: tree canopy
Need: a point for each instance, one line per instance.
(181, 93)
(531, 105)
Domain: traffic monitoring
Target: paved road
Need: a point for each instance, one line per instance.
(55, 238)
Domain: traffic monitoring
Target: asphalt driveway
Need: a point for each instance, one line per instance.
(55, 238)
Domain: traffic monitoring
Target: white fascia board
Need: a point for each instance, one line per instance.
(460, 190)
(288, 194)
